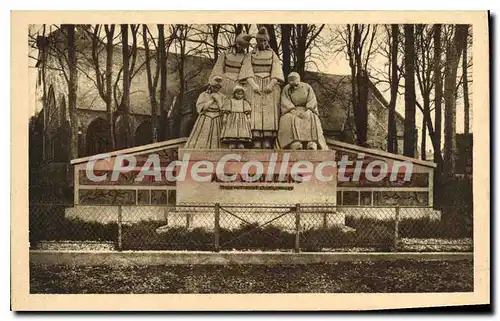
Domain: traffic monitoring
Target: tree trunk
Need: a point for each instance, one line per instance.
(409, 58)
(151, 87)
(392, 139)
(215, 35)
(453, 53)
(163, 80)
(361, 109)
(362, 130)
(273, 43)
(354, 87)
(72, 91)
(238, 28)
(125, 101)
(182, 89)
(466, 85)
(285, 45)
(109, 75)
(438, 94)
(301, 49)
(43, 47)
(423, 139)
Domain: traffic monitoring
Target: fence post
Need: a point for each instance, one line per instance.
(396, 230)
(216, 227)
(297, 227)
(119, 227)
(165, 215)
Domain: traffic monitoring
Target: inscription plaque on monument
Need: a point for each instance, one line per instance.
(274, 177)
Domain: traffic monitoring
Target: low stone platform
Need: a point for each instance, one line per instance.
(231, 218)
(204, 216)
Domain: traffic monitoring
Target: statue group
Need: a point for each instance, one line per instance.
(245, 105)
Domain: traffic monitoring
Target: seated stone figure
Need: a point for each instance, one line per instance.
(207, 129)
(300, 127)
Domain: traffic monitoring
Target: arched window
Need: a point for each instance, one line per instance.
(60, 144)
(97, 139)
(63, 115)
(144, 133)
(50, 122)
(51, 106)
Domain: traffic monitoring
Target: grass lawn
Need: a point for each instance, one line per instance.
(340, 277)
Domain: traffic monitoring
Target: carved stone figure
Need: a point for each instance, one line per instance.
(236, 130)
(264, 96)
(300, 127)
(234, 66)
(206, 130)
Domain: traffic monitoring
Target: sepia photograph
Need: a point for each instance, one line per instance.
(254, 158)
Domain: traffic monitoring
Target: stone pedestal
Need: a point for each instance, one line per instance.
(288, 178)
(277, 186)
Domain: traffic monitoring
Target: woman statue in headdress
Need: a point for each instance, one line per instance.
(265, 93)
(207, 129)
(234, 66)
(300, 126)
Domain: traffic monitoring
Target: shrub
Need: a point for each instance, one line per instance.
(49, 224)
(450, 226)
(143, 236)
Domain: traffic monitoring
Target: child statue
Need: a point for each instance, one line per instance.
(206, 130)
(236, 126)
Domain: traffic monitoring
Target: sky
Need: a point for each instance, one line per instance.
(329, 63)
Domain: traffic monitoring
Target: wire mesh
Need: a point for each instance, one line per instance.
(268, 227)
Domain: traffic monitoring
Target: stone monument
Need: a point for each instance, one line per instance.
(280, 126)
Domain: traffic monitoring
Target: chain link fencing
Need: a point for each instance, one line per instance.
(214, 227)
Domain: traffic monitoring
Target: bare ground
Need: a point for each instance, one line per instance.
(339, 277)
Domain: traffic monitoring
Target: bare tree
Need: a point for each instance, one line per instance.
(424, 69)
(465, 82)
(286, 30)
(110, 31)
(152, 80)
(239, 28)
(41, 42)
(134, 68)
(72, 90)
(211, 39)
(303, 40)
(182, 37)
(453, 53)
(58, 53)
(357, 42)
(125, 101)
(392, 139)
(438, 94)
(215, 30)
(410, 97)
(103, 79)
(162, 57)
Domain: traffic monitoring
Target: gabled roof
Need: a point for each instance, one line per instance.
(149, 148)
(179, 142)
(335, 144)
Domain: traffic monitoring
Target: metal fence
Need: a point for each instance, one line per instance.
(215, 227)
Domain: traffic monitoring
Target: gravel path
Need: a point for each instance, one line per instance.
(340, 277)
